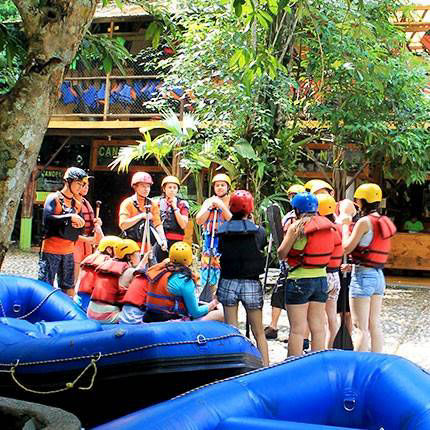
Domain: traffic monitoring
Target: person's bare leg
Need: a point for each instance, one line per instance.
(230, 315)
(276, 313)
(215, 315)
(333, 325)
(375, 327)
(316, 320)
(360, 310)
(255, 318)
(297, 316)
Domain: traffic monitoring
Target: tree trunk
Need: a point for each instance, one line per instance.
(54, 33)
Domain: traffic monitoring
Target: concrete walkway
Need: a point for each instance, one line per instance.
(406, 315)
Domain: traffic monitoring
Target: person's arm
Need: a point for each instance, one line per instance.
(182, 286)
(204, 212)
(49, 215)
(288, 240)
(351, 240)
(125, 220)
(181, 214)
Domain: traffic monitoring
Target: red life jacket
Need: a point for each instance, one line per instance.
(137, 291)
(87, 274)
(106, 284)
(376, 253)
(336, 256)
(319, 247)
(159, 299)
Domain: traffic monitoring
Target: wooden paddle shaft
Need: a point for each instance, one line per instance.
(98, 204)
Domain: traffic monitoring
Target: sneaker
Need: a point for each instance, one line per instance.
(306, 344)
(270, 333)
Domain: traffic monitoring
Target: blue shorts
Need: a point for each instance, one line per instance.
(56, 264)
(248, 291)
(366, 282)
(301, 291)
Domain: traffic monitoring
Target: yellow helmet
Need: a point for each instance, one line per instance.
(372, 193)
(108, 241)
(222, 177)
(126, 247)
(320, 185)
(181, 253)
(326, 204)
(296, 188)
(310, 184)
(170, 180)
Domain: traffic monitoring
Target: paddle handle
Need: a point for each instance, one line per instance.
(98, 204)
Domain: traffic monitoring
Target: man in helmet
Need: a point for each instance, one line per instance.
(213, 213)
(174, 215)
(138, 208)
(241, 245)
(277, 300)
(112, 280)
(92, 231)
(62, 226)
(171, 290)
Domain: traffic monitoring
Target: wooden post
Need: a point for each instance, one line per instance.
(27, 212)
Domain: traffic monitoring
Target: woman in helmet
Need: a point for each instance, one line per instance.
(112, 280)
(327, 208)
(369, 242)
(87, 274)
(174, 215)
(213, 213)
(171, 290)
(241, 243)
(307, 246)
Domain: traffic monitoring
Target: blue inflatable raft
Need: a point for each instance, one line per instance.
(322, 391)
(51, 353)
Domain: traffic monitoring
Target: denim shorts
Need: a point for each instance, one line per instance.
(366, 282)
(248, 291)
(301, 291)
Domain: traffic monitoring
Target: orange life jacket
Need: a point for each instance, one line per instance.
(87, 274)
(159, 299)
(336, 256)
(106, 283)
(319, 247)
(137, 290)
(376, 253)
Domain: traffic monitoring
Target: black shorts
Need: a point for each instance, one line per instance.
(278, 294)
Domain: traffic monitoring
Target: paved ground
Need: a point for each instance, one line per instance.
(406, 315)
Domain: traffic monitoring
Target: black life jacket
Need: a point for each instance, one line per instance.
(241, 252)
(63, 228)
(168, 218)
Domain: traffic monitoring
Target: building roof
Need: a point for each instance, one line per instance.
(128, 12)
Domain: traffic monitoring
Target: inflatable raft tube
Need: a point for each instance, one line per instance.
(320, 391)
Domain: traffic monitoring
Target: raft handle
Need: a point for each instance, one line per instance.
(201, 339)
(349, 405)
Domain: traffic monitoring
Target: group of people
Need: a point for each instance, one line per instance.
(145, 275)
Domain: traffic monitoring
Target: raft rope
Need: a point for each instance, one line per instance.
(200, 340)
(32, 311)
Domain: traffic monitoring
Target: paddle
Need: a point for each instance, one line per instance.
(343, 337)
(98, 204)
(206, 294)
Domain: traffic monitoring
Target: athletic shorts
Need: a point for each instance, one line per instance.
(56, 264)
(301, 291)
(366, 282)
(248, 291)
(333, 282)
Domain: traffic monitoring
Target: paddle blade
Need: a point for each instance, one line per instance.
(343, 339)
(273, 213)
(206, 294)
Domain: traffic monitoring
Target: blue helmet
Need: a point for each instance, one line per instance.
(305, 202)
